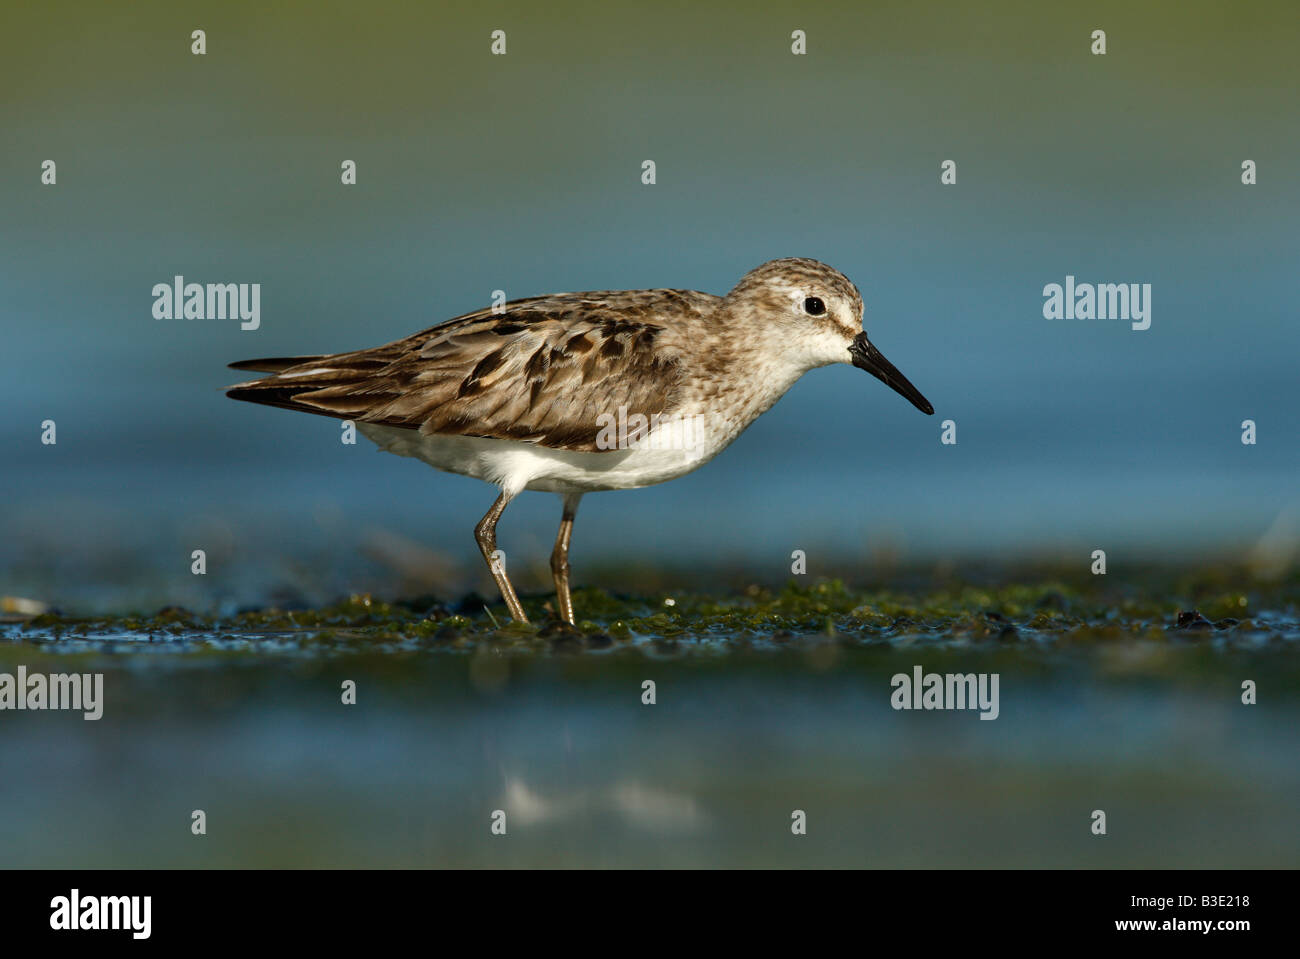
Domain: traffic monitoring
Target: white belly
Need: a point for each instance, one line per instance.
(517, 466)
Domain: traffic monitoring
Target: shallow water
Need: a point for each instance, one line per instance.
(766, 702)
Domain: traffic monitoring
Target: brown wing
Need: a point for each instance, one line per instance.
(543, 371)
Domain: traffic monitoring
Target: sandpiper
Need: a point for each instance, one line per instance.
(578, 392)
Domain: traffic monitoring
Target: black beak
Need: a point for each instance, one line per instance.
(867, 357)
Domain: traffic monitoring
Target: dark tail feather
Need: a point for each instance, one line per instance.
(276, 364)
(307, 389)
(276, 395)
(326, 385)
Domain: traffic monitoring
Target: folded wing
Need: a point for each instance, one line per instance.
(544, 371)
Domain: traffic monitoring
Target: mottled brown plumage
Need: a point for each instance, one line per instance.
(542, 371)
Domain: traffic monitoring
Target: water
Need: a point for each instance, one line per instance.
(454, 721)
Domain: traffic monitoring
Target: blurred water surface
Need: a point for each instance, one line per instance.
(709, 776)
(522, 173)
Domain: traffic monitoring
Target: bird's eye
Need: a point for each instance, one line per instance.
(813, 306)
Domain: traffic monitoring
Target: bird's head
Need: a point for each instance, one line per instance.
(813, 314)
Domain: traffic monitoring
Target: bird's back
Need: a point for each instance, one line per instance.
(542, 370)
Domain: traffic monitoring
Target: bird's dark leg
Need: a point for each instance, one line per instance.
(560, 558)
(486, 534)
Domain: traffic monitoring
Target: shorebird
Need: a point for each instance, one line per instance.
(577, 392)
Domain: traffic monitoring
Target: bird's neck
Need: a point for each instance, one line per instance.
(739, 386)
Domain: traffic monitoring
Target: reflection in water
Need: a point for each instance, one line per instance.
(637, 804)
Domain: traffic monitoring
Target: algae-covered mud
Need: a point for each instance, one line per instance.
(947, 608)
(678, 728)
